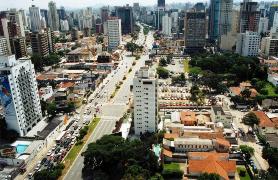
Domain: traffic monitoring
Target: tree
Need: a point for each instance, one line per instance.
(247, 151)
(169, 58)
(197, 96)
(162, 72)
(250, 119)
(209, 176)
(119, 158)
(51, 109)
(37, 60)
(246, 93)
(130, 46)
(179, 79)
(162, 62)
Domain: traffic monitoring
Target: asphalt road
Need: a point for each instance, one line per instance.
(111, 111)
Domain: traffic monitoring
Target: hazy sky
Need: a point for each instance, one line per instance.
(4, 4)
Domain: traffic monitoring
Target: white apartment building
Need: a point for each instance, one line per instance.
(3, 46)
(114, 33)
(166, 25)
(263, 25)
(19, 94)
(145, 101)
(248, 43)
(35, 18)
(269, 45)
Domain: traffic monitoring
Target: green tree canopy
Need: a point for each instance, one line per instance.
(250, 119)
(247, 151)
(162, 72)
(209, 176)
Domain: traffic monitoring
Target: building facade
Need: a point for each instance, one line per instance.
(39, 43)
(145, 101)
(166, 25)
(126, 15)
(35, 18)
(248, 43)
(3, 46)
(195, 30)
(249, 16)
(263, 25)
(114, 32)
(53, 18)
(19, 95)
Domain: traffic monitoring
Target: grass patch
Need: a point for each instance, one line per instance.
(71, 156)
(242, 168)
(195, 70)
(186, 66)
(172, 170)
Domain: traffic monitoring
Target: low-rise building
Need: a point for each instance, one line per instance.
(266, 125)
(210, 162)
(218, 115)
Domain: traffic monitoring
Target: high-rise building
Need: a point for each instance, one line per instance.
(39, 43)
(199, 6)
(15, 17)
(273, 8)
(126, 15)
(24, 20)
(195, 30)
(104, 14)
(220, 18)
(114, 32)
(161, 3)
(44, 14)
(64, 25)
(166, 25)
(35, 18)
(269, 45)
(18, 47)
(145, 101)
(19, 95)
(248, 43)
(3, 46)
(249, 16)
(53, 19)
(74, 34)
(235, 20)
(263, 25)
(61, 13)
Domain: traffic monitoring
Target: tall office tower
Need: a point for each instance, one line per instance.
(220, 18)
(145, 101)
(166, 25)
(175, 21)
(273, 8)
(195, 30)
(226, 14)
(19, 94)
(43, 23)
(274, 28)
(39, 43)
(61, 13)
(158, 18)
(248, 43)
(114, 32)
(161, 3)
(126, 15)
(249, 16)
(53, 19)
(18, 47)
(35, 18)
(24, 20)
(136, 10)
(50, 38)
(3, 46)
(235, 20)
(263, 25)
(104, 14)
(44, 14)
(5, 32)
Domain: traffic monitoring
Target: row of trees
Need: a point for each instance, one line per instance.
(133, 47)
(49, 174)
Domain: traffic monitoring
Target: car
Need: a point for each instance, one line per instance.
(30, 175)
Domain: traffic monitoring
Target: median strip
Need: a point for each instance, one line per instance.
(75, 150)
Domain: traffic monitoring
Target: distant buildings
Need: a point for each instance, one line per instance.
(3, 46)
(161, 3)
(195, 30)
(263, 25)
(126, 15)
(114, 33)
(19, 95)
(248, 43)
(273, 8)
(145, 101)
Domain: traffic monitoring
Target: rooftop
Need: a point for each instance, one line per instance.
(264, 120)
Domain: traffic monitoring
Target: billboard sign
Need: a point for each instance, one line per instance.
(8, 152)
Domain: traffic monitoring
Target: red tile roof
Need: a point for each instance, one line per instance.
(188, 118)
(211, 162)
(66, 84)
(264, 120)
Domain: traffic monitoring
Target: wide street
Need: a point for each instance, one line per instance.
(111, 111)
